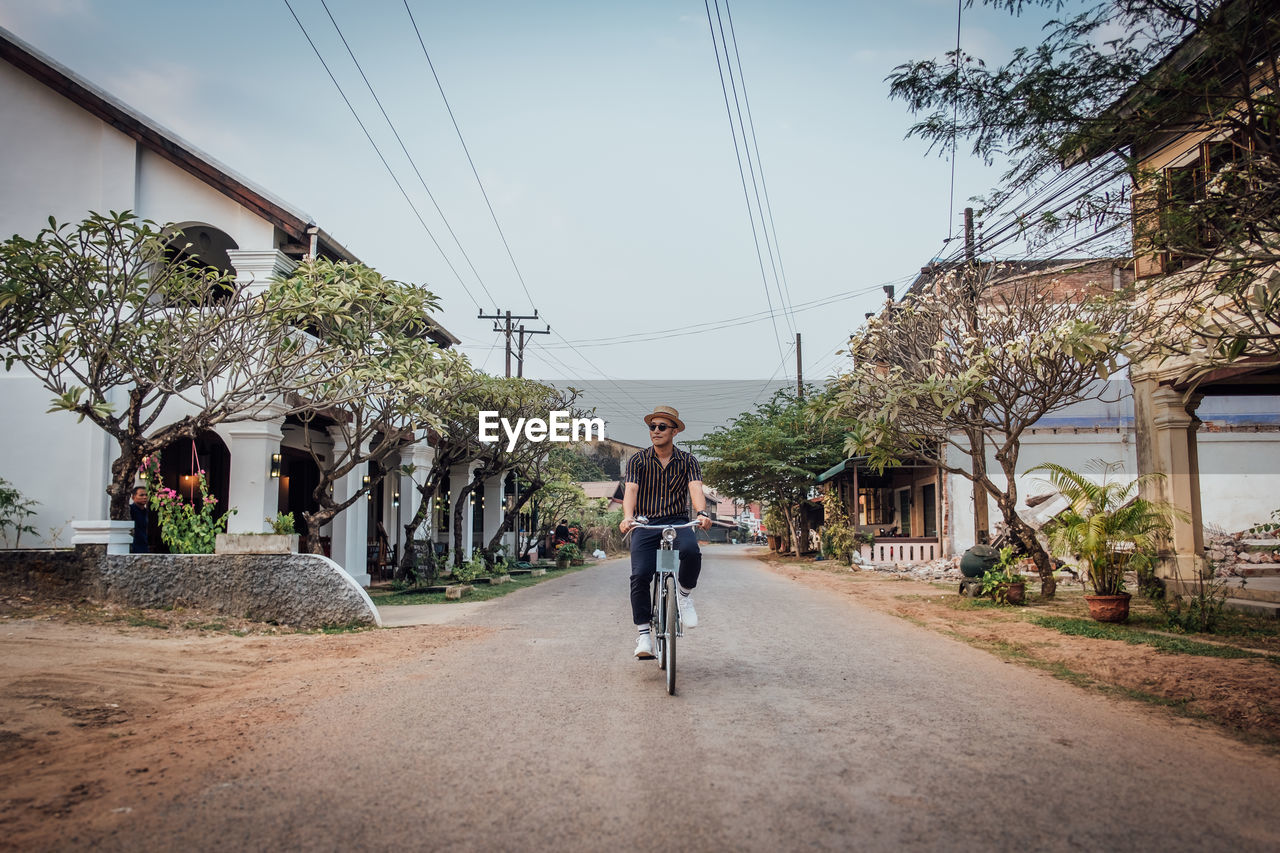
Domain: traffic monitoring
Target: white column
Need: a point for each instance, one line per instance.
(459, 476)
(254, 493)
(422, 456)
(350, 528)
(255, 268)
(493, 505)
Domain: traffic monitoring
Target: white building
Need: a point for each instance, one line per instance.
(70, 148)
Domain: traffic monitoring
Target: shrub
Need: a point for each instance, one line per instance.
(14, 511)
(282, 524)
(568, 551)
(184, 527)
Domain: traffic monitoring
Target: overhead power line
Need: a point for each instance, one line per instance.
(742, 176)
(422, 43)
(732, 322)
(381, 157)
(755, 144)
(408, 156)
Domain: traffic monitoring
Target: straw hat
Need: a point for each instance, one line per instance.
(665, 412)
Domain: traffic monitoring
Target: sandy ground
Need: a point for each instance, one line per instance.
(93, 708)
(1243, 695)
(104, 712)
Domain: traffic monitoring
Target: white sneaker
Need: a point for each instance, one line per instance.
(644, 648)
(688, 616)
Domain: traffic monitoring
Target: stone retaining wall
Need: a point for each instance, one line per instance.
(304, 590)
(59, 573)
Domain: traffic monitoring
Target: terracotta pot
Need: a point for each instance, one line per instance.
(1109, 608)
(1015, 593)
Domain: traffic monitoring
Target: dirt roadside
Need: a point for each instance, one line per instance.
(100, 704)
(1241, 696)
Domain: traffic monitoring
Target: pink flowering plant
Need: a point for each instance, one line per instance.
(184, 527)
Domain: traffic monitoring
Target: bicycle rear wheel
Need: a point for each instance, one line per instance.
(669, 658)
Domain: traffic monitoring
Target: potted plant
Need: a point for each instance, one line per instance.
(1106, 526)
(1004, 581)
(568, 554)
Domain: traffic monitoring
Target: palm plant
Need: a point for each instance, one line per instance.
(1107, 523)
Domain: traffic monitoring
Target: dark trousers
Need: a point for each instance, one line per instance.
(644, 562)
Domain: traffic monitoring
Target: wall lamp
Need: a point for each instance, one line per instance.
(275, 466)
(365, 481)
(395, 498)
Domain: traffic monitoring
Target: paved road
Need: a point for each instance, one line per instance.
(802, 722)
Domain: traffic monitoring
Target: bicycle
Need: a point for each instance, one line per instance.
(664, 620)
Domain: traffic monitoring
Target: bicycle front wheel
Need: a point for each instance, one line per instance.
(669, 602)
(656, 630)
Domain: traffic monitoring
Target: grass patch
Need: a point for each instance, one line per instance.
(1161, 642)
(1062, 672)
(138, 620)
(205, 626)
(960, 602)
(480, 592)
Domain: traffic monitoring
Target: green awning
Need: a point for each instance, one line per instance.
(833, 471)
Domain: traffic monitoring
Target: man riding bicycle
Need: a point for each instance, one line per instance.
(661, 483)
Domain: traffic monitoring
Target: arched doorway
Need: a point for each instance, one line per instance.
(202, 248)
(180, 464)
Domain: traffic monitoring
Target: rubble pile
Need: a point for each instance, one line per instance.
(934, 570)
(1231, 553)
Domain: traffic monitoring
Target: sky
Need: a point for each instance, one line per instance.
(600, 134)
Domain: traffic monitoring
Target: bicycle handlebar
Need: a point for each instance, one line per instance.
(642, 523)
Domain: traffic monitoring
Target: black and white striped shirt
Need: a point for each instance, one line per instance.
(663, 492)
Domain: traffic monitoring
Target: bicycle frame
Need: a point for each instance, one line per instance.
(664, 618)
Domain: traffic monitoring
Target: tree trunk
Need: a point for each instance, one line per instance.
(804, 531)
(315, 521)
(1007, 500)
(507, 521)
(1026, 537)
(409, 556)
(426, 492)
(792, 532)
(123, 472)
(459, 548)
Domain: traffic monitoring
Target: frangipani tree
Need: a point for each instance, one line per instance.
(379, 381)
(455, 437)
(969, 364)
(144, 345)
(1156, 126)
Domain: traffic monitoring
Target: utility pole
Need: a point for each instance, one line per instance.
(799, 370)
(978, 444)
(505, 319)
(522, 337)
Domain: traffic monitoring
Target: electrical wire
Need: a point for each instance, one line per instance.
(408, 156)
(955, 116)
(764, 186)
(751, 165)
(381, 157)
(718, 325)
(422, 43)
(742, 176)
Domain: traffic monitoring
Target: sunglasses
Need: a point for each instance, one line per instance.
(660, 427)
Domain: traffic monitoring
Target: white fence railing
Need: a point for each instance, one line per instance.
(902, 551)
